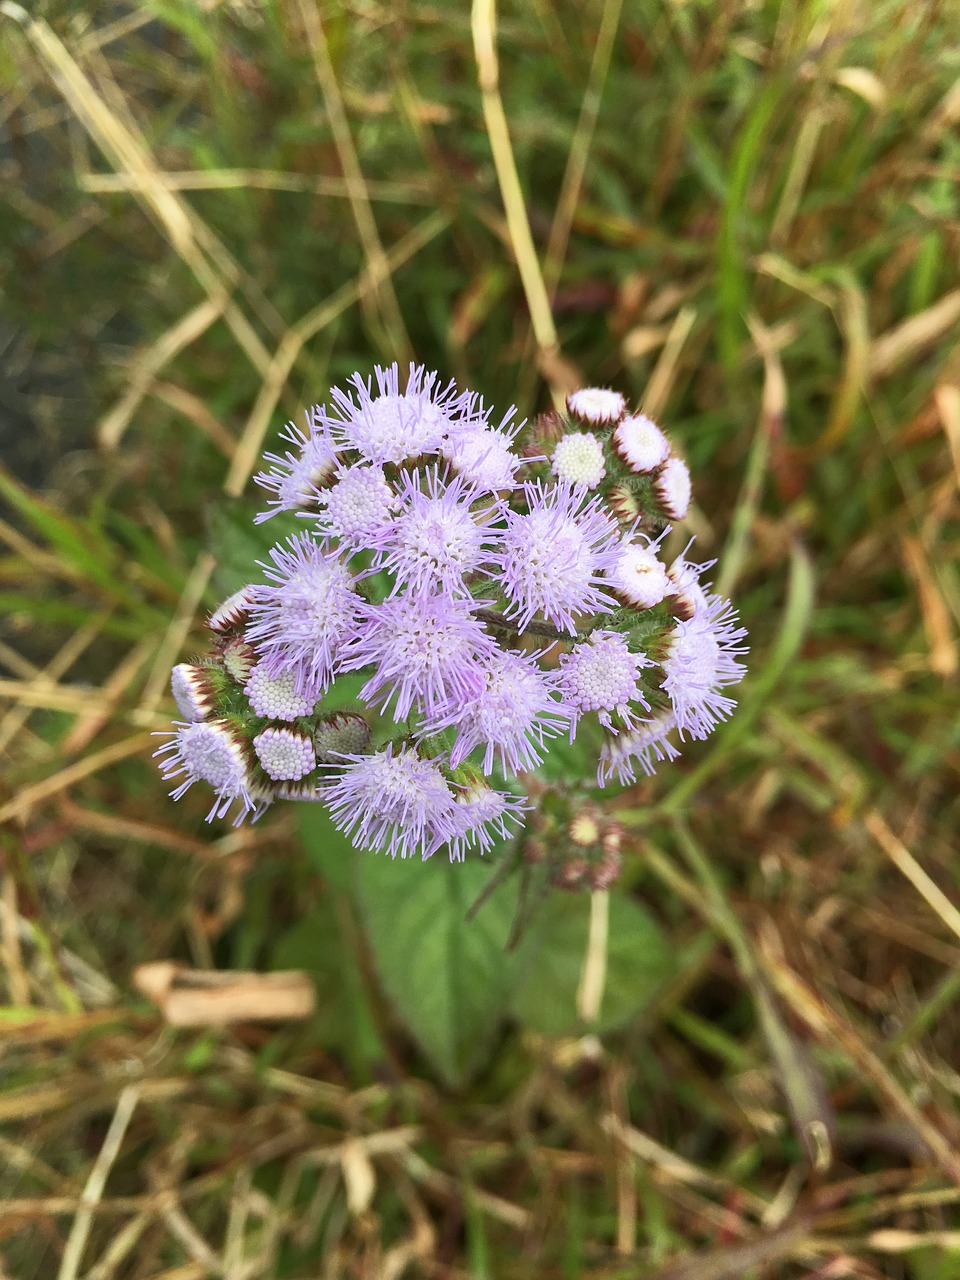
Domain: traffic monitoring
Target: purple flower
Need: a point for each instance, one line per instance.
(484, 455)
(481, 816)
(510, 715)
(392, 801)
(426, 650)
(393, 425)
(357, 507)
(437, 538)
(601, 674)
(554, 555)
(701, 660)
(646, 745)
(637, 576)
(295, 478)
(300, 622)
(285, 755)
(209, 751)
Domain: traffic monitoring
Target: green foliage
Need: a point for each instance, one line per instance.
(549, 963)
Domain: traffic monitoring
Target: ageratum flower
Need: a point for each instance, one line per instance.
(357, 507)
(210, 752)
(511, 715)
(391, 426)
(701, 661)
(440, 536)
(301, 621)
(555, 554)
(426, 651)
(645, 745)
(277, 697)
(393, 801)
(285, 755)
(482, 815)
(483, 455)
(602, 675)
(637, 576)
(294, 478)
(455, 602)
(596, 405)
(578, 459)
(641, 444)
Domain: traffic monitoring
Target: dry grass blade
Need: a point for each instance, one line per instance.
(42, 687)
(947, 399)
(251, 439)
(92, 1192)
(903, 859)
(825, 1021)
(196, 998)
(129, 155)
(576, 165)
(913, 336)
(264, 179)
(145, 368)
(19, 807)
(936, 615)
(169, 648)
(377, 268)
(484, 28)
(665, 371)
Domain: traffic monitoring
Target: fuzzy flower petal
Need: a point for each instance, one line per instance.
(638, 577)
(601, 674)
(392, 426)
(701, 661)
(426, 650)
(439, 536)
(300, 622)
(295, 477)
(481, 817)
(483, 455)
(554, 556)
(510, 716)
(210, 752)
(392, 801)
(645, 745)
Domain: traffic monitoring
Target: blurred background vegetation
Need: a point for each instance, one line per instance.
(745, 217)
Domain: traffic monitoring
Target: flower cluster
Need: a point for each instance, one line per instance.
(490, 599)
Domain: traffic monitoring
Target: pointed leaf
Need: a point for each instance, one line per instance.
(448, 979)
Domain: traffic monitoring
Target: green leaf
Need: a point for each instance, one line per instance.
(448, 979)
(549, 960)
(320, 944)
(328, 849)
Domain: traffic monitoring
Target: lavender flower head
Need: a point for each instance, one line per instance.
(485, 593)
